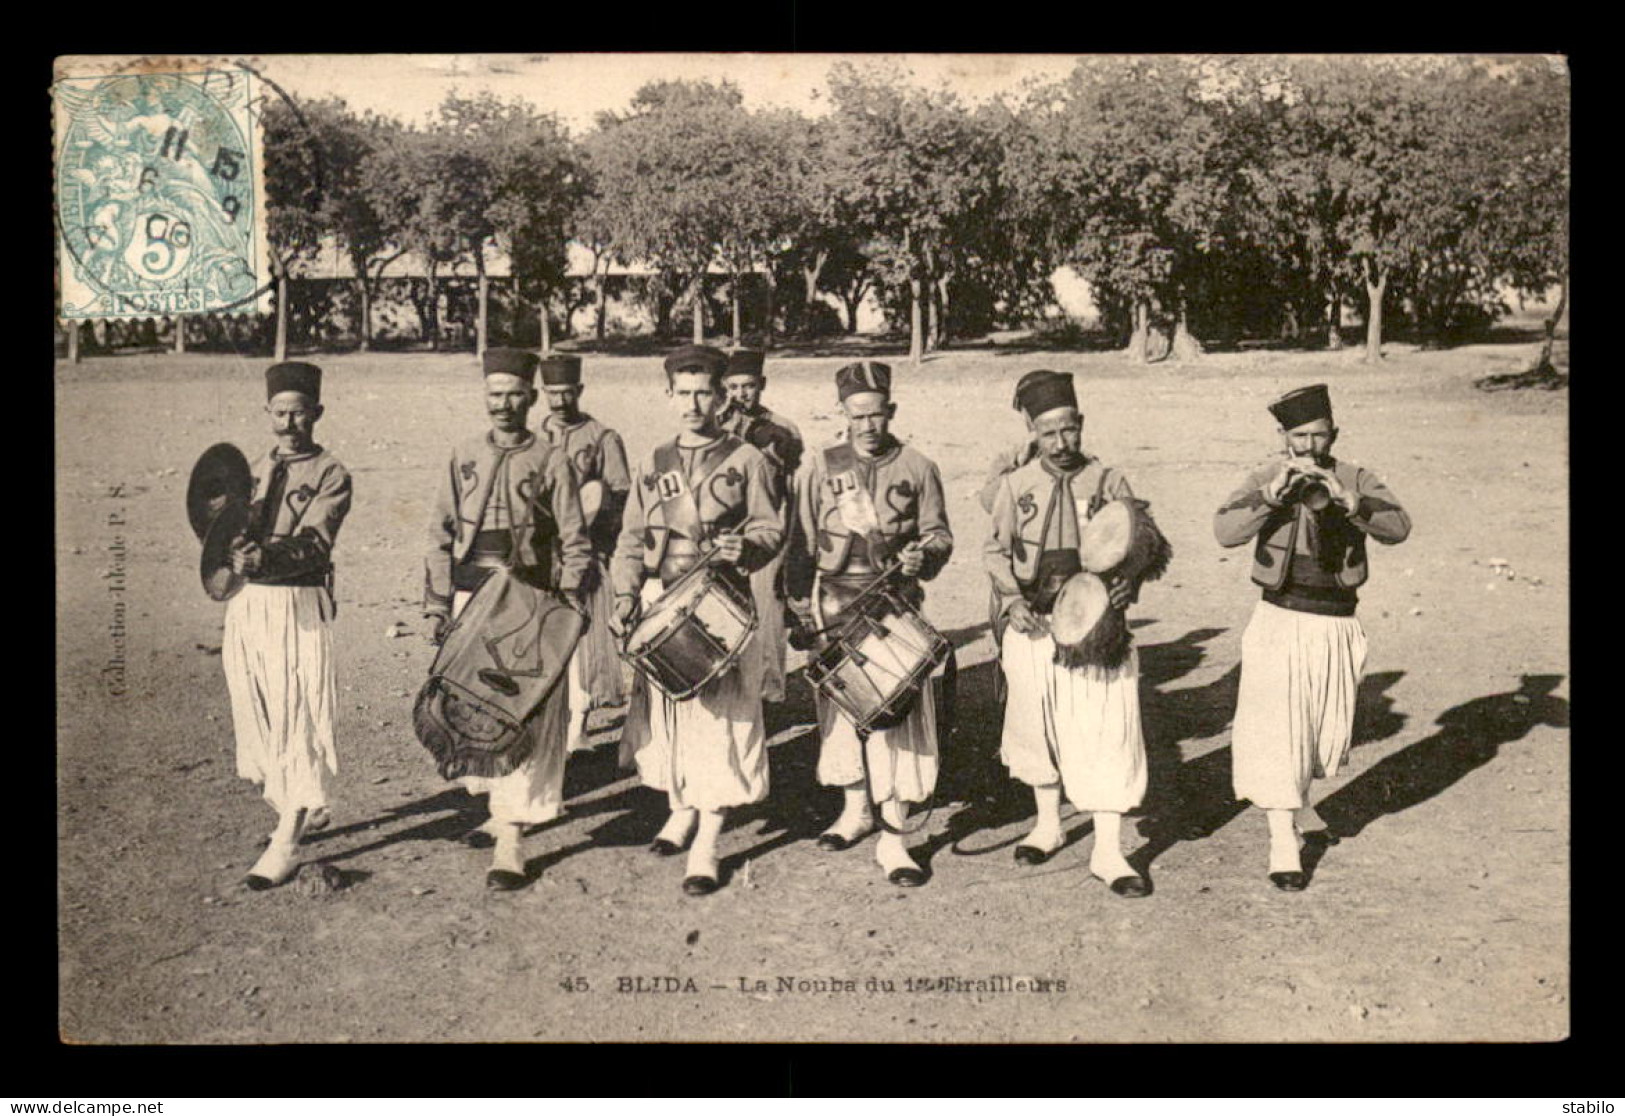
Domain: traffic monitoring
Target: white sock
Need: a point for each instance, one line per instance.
(857, 818)
(1284, 855)
(891, 853)
(1106, 858)
(505, 856)
(1046, 832)
(702, 857)
(281, 857)
(678, 826)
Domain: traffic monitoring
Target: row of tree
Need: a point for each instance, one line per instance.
(1212, 197)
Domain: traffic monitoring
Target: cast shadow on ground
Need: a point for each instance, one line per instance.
(1470, 735)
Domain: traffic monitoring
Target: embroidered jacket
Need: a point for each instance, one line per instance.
(542, 508)
(1036, 531)
(1329, 548)
(299, 502)
(684, 497)
(777, 438)
(595, 452)
(904, 489)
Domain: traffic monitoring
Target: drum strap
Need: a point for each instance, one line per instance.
(677, 501)
(852, 498)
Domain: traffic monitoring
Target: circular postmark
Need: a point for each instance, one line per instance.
(156, 194)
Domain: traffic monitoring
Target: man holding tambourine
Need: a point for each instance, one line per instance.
(1072, 715)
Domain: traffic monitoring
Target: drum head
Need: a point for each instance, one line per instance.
(1104, 541)
(1082, 602)
(220, 581)
(221, 474)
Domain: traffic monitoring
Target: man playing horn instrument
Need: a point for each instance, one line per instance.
(277, 648)
(1304, 650)
(1071, 729)
(866, 501)
(597, 460)
(508, 500)
(703, 496)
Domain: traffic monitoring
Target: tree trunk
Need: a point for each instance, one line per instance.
(483, 287)
(366, 315)
(73, 341)
(772, 285)
(547, 335)
(1551, 325)
(281, 350)
(931, 324)
(1184, 345)
(942, 313)
(1141, 333)
(1334, 320)
(699, 308)
(1373, 319)
(852, 312)
(180, 333)
(916, 342)
(601, 278)
(733, 297)
(810, 274)
(432, 322)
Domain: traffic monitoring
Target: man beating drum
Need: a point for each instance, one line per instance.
(1071, 728)
(508, 501)
(277, 648)
(705, 496)
(866, 501)
(1304, 649)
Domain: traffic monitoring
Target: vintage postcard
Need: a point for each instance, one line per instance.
(812, 548)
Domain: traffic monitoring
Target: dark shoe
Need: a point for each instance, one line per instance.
(662, 847)
(478, 839)
(700, 885)
(1131, 887)
(258, 883)
(500, 879)
(1032, 855)
(834, 842)
(907, 877)
(1290, 881)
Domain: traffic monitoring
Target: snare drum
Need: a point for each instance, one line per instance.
(879, 658)
(693, 633)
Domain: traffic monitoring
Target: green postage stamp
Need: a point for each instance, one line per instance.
(159, 189)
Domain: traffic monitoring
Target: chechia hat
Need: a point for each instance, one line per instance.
(696, 358)
(1304, 405)
(293, 375)
(1042, 390)
(511, 362)
(863, 375)
(561, 369)
(746, 362)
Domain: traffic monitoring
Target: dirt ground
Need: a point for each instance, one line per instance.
(1441, 914)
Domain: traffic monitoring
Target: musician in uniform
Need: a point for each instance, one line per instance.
(598, 462)
(508, 500)
(869, 500)
(780, 442)
(277, 648)
(1065, 729)
(703, 496)
(1309, 515)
